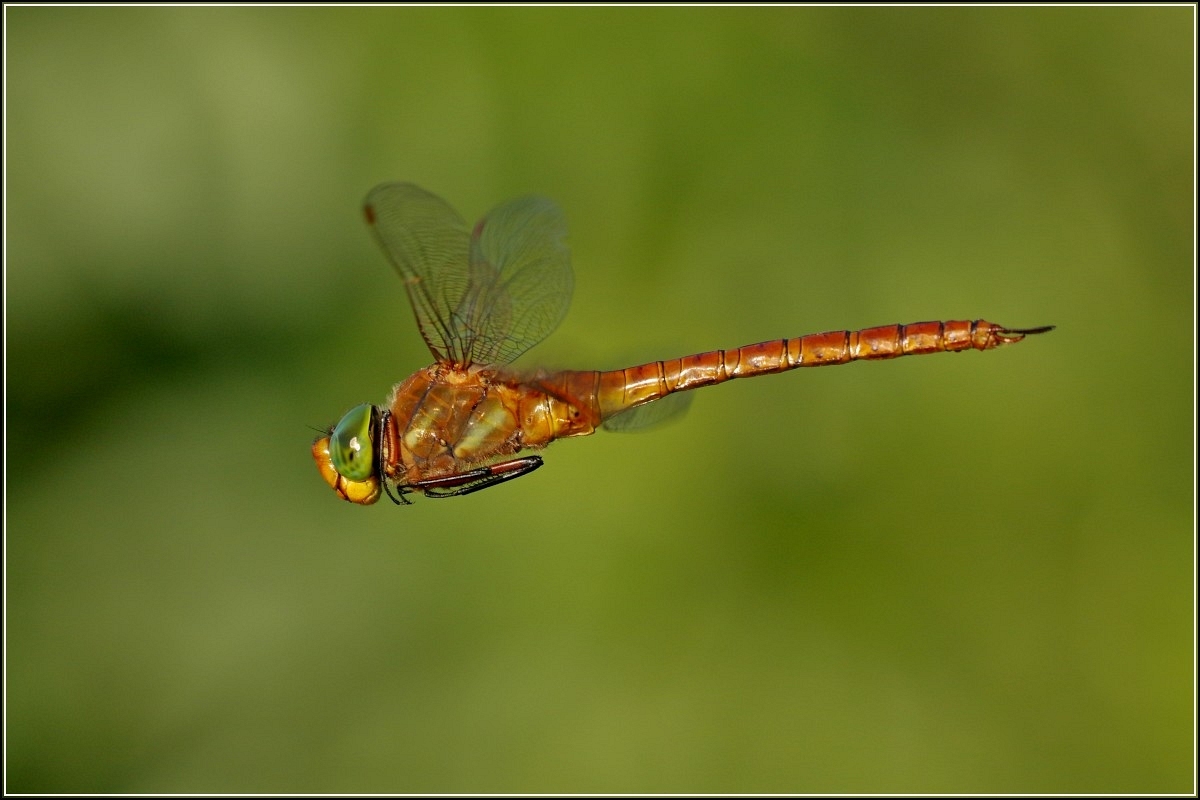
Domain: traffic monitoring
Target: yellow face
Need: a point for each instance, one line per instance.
(346, 458)
(361, 492)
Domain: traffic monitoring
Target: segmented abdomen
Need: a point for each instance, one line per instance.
(619, 390)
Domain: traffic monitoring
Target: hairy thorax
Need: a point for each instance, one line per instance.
(446, 420)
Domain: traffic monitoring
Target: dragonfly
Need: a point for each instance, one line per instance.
(482, 297)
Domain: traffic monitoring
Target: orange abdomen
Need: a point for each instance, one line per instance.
(597, 396)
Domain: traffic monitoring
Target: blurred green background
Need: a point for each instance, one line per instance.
(951, 574)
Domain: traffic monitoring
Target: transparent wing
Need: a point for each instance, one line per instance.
(427, 242)
(481, 297)
(650, 415)
(520, 281)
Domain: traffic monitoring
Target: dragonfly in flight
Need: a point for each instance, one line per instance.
(483, 296)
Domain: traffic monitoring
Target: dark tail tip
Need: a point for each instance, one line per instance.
(1010, 335)
(1029, 331)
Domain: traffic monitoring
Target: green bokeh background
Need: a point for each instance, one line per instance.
(967, 573)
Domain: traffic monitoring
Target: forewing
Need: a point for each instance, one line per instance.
(520, 280)
(428, 243)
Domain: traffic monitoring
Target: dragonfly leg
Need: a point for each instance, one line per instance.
(476, 479)
(398, 498)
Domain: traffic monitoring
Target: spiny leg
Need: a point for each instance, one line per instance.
(398, 498)
(476, 479)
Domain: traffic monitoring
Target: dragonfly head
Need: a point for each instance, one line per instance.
(348, 457)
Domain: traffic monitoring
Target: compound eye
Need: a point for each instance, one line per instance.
(361, 492)
(352, 445)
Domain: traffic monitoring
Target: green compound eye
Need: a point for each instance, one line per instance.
(351, 445)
